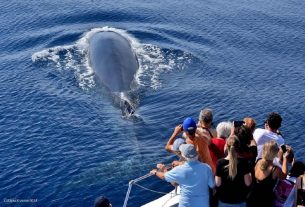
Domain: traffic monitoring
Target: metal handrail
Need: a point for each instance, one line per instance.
(130, 186)
(138, 180)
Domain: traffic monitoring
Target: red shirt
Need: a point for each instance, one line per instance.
(217, 149)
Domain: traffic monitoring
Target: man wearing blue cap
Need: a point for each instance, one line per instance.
(189, 128)
(195, 178)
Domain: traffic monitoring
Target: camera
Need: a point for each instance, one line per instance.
(283, 147)
(238, 123)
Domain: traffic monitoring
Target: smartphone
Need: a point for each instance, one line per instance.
(238, 123)
(283, 148)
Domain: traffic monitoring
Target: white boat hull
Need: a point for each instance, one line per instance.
(169, 200)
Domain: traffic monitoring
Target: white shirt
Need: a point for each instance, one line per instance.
(262, 136)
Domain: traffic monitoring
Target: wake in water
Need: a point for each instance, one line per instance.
(152, 62)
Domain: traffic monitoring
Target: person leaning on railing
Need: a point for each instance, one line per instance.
(194, 177)
(191, 136)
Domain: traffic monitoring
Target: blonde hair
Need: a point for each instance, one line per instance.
(270, 151)
(232, 146)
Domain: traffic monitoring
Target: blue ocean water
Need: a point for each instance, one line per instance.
(62, 139)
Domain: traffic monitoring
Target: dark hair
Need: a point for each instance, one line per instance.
(297, 169)
(274, 120)
(102, 202)
(192, 132)
(244, 134)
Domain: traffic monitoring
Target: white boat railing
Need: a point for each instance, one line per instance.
(130, 186)
(135, 181)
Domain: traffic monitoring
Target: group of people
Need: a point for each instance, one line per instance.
(235, 165)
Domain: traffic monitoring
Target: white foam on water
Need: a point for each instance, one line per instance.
(152, 59)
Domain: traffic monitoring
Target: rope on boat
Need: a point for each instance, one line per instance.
(134, 182)
(154, 191)
(130, 186)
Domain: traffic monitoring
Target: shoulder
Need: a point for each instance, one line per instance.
(204, 165)
(258, 162)
(205, 168)
(177, 169)
(280, 140)
(213, 131)
(276, 137)
(206, 132)
(201, 139)
(259, 132)
(221, 162)
(174, 173)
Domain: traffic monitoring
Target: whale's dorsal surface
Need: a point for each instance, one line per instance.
(113, 60)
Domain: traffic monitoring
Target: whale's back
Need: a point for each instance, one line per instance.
(113, 60)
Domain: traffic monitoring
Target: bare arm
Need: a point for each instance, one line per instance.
(204, 135)
(172, 139)
(176, 163)
(217, 181)
(248, 179)
(161, 175)
(157, 173)
(285, 165)
(282, 173)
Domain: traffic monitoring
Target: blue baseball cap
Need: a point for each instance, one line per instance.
(189, 125)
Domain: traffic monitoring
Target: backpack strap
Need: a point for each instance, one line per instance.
(272, 171)
(208, 131)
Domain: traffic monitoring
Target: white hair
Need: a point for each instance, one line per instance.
(223, 129)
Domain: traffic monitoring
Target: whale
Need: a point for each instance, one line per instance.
(115, 65)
